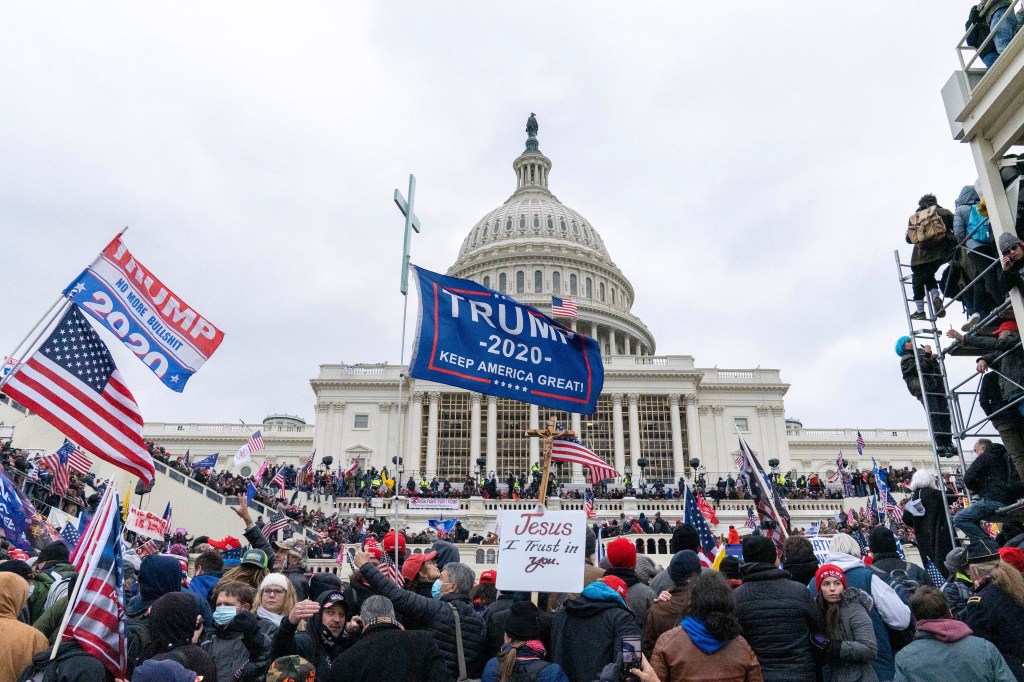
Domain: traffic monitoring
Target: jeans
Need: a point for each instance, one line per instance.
(968, 520)
(1002, 35)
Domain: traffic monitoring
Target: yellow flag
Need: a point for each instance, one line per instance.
(718, 557)
(127, 502)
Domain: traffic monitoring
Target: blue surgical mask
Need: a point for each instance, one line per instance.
(222, 615)
(435, 589)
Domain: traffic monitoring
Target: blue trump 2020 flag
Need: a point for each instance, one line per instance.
(483, 341)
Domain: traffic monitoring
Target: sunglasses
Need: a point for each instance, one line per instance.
(1012, 248)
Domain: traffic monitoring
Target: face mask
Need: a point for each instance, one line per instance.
(435, 589)
(223, 615)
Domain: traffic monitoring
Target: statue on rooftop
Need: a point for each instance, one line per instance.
(531, 126)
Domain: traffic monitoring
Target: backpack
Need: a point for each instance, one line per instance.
(42, 669)
(528, 671)
(137, 636)
(976, 27)
(925, 226)
(978, 227)
(904, 588)
(61, 587)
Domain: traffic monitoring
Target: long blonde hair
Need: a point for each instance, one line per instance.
(507, 661)
(245, 573)
(290, 598)
(1006, 578)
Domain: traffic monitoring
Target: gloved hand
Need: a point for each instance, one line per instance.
(833, 649)
(820, 642)
(246, 622)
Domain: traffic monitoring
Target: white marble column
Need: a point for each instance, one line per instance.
(593, 330)
(577, 469)
(778, 421)
(767, 434)
(474, 430)
(389, 415)
(492, 434)
(335, 447)
(435, 399)
(611, 343)
(721, 449)
(414, 437)
(322, 427)
(678, 460)
(534, 442)
(692, 427)
(634, 432)
(618, 440)
(628, 343)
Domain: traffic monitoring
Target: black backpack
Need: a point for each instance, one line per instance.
(138, 637)
(42, 669)
(528, 671)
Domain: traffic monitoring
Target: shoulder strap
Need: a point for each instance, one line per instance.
(458, 643)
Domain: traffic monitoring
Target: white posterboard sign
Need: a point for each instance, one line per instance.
(821, 545)
(145, 523)
(541, 552)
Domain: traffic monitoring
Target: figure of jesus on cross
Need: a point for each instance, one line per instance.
(549, 435)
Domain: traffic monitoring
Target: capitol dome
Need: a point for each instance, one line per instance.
(534, 247)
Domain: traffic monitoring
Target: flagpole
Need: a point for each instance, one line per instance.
(40, 326)
(769, 494)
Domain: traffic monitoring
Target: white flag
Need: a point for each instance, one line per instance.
(243, 456)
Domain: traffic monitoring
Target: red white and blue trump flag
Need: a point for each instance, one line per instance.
(168, 335)
(484, 341)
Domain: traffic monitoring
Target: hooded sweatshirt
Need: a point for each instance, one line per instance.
(18, 641)
(701, 636)
(890, 607)
(172, 622)
(945, 629)
(587, 633)
(962, 213)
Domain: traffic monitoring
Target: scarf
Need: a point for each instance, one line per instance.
(269, 615)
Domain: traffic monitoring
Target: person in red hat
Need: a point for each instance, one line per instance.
(1013, 556)
(420, 573)
(621, 555)
(586, 634)
(849, 643)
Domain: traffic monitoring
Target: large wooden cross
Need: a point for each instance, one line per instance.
(549, 434)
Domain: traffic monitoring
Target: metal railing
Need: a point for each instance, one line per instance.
(969, 55)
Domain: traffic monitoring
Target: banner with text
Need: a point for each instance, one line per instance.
(145, 523)
(433, 503)
(483, 341)
(541, 552)
(170, 337)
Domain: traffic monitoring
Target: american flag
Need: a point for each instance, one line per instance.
(771, 510)
(150, 547)
(588, 506)
(97, 614)
(188, 458)
(751, 521)
(79, 462)
(69, 535)
(840, 462)
(278, 521)
(255, 442)
(306, 470)
(860, 443)
(352, 469)
(278, 480)
(563, 307)
(694, 518)
(390, 571)
(57, 462)
(574, 451)
(168, 514)
(71, 381)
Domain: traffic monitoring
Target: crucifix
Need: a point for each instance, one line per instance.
(549, 434)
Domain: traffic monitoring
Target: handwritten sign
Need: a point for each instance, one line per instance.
(541, 552)
(145, 523)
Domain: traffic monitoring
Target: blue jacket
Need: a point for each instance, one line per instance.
(525, 659)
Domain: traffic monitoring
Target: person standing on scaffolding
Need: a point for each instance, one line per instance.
(1007, 359)
(931, 232)
(936, 405)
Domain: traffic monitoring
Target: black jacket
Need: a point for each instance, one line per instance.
(438, 614)
(778, 616)
(931, 531)
(374, 657)
(930, 369)
(494, 625)
(309, 643)
(994, 615)
(73, 664)
(587, 635)
(802, 568)
(1011, 366)
(887, 562)
(992, 476)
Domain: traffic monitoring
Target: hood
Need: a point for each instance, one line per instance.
(701, 636)
(852, 595)
(172, 620)
(844, 561)
(601, 592)
(447, 553)
(158, 576)
(945, 629)
(968, 195)
(628, 575)
(757, 571)
(13, 594)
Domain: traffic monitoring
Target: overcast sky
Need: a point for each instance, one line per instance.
(750, 167)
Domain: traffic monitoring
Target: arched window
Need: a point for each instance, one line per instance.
(472, 240)
(556, 282)
(575, 228)
(586, 232)
(508, 224)
(600, 291)
(589, 287)
(551, 223)
(538, 281)
(479, 556)
(487, 282)
(502, 283)
(497, 227)
(536, 222)
(572, 284)
(561, 224)
(522, 222)
(520, 282)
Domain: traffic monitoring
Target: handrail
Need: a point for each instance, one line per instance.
(962, 45)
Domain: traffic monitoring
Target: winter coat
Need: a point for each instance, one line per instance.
(663, 616)
(203, 584)
(936, 249)
(18, 641)
(299, 581)
(856, 635)
(945, 650)
(438, 614)
(373, 657)
(587, 633)
(778, 616)
(43, 581)
(992, 476)
(995, 616)
(591, 573)
(801, 568)
(640, 596)
(526, 662)
(962, 215)
(495, 618)
(887, 562)
(192, 657)
(957, 590)
(309, 643)
(932, 529)
(677, 658)
(73, 664)
(930, 369)
(245, 639)
(1011, 366)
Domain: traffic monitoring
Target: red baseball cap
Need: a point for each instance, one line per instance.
(227, 543)
(373, 549)
(1008, 326)
(617, 584)
(413, 564)
(389, 542)
(488, 577)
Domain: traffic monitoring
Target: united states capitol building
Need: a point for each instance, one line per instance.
(660, 406)
(663, 408)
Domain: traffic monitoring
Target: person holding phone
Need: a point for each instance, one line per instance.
(707, 644)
